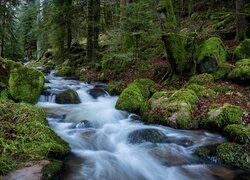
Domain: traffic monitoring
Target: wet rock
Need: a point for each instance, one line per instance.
(97, 92)
(169, 157)
(32, 172)
(147, 135)
(56, 116)
(134, 117)
(46, 93)
(69, 96)
(180, 141)
(82, 124)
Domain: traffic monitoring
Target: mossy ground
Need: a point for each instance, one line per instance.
(26, 136)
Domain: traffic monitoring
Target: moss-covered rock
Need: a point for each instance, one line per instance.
(172, 108)
(51, 170)
(219, 117)
(135, 95)
(202, 91)
(241, 73)
(26, 136)
(242, 51)
(68, 96)
(210, 55)
(64, 71)
(206, 152)
(222, 71)
(115, 87)
(238, 133)
(26, 84)
(201, 79)
(234, 154)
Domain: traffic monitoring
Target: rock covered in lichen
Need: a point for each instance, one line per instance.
(242, 51)
(135, 95)
(220, 116)
(171, 108)
(241, 73)
(26, 84)
(234, 154)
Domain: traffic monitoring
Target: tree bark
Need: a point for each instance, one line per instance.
(241, 23)
(93, 29)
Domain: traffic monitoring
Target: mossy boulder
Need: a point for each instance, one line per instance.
(68, 96)
(115, 87)
(206, 152)
(5, 68)
(222, 71)
(171, 108)
(202, 91)
(210, 55)
(242, 51)
(64, 71)
(26, 136)
(135, 95)
(241, 73)
(26, 84)
(238, 133)
(234, 155)
(201, 79)
(219, 117)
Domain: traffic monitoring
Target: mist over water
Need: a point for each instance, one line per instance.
(110, 144)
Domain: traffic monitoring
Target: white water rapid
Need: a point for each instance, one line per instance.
(108, 144)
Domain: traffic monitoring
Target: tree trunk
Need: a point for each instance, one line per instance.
(176, 53)
(93, 29)
(241, 23)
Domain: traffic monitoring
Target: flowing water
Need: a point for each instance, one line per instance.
(114, 145)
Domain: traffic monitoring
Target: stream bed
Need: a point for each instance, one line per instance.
(108, 144)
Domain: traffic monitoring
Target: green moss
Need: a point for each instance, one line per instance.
(220, 117)
(68, 96)
(223, 89)
(135, 95)
(201, 79)
(222, 71)
(234, 155)
(243, 62)
(205, 152)
(26, 84)
(242, 51)
(237, 133)
(210, 55)
(52, 170)
(202, 91)
(115, 87)
(64, 71)
(26, 136)
(241, 73)
(172, 108)
(117, 62)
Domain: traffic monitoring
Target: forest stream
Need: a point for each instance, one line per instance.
(110, 144)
